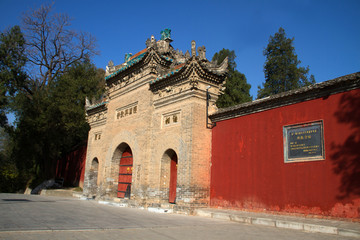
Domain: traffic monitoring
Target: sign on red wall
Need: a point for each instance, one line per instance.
(304, 142)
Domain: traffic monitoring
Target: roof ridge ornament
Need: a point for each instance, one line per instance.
(166, 34)
(128, 56)
(193, 48)
(151, 42)
(202, 53)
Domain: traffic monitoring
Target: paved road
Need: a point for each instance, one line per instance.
(40, 217)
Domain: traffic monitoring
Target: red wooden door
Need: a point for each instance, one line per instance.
(173, 179)
(125, 174)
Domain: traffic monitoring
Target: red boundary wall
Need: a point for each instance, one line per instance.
(248, 169)
(72, 167)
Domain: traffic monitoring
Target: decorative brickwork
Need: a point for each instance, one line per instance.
(156, 107)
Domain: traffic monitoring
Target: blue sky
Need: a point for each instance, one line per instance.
(327, 33)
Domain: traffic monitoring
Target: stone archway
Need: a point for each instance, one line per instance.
(123, 158)
(169, 163)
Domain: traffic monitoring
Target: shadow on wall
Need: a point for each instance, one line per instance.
(71, 167)
(346, 156)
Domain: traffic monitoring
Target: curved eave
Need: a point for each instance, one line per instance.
(220, 70)
(168, 75)
(97, 107)
(129, 64)
(186, 69)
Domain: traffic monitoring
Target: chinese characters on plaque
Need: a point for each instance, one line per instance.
(304, 142)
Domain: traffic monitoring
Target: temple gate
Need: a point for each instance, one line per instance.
(154, 112)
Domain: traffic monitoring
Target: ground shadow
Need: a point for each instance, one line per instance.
(346, 156)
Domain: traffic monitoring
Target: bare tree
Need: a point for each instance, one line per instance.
(51, 46)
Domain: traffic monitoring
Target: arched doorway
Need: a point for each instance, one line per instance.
(93, 176)
(168, 182)
(125, 173)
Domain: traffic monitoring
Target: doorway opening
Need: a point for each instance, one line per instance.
(169, 165)
(124, 153)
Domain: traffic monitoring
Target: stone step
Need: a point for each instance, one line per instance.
(61, 192)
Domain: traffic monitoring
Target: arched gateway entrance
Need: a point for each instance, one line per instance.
(169, 163)
(125, 172)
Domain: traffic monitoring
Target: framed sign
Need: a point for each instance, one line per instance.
(304, 142)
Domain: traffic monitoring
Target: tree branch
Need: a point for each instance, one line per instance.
(51, 46)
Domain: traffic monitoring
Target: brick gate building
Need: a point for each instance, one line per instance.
(149, 140)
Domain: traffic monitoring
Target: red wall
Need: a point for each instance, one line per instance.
(72, 167)
(248, 169)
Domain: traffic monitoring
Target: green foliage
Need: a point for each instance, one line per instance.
(282, 70)
(10, 178)
(69, 93)
(49, 100)
(237, 90)
(12, 61)
(3, 139)
(53, 121)
(12, 81)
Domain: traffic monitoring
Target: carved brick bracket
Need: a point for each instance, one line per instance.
(194, 80)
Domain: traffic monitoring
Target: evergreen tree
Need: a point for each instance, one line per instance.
(52, 122)
(282, 70)
(12, 62)
(237, 90)
(81, 81)
(9, 174)
(48, 99)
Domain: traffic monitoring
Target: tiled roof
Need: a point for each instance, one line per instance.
(134, 59)
(176, 69)
(96, 105)
(167, 58)
(139, 53)
(323, 89)
(179, 66)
